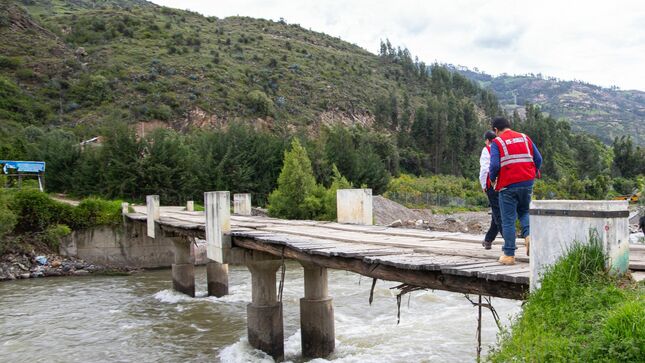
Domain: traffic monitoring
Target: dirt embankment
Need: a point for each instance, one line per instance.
(390, 213)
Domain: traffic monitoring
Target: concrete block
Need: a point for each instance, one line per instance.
(190, 206)
(553, 233)
(153, 213)
(125, 207)
(354, 206)
(242, 204)
(218, 225)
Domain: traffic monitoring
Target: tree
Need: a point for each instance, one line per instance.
(295, 197)
(628, 161)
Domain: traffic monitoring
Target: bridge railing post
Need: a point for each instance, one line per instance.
(557, 224)
(190, 206)
(152, 204)
(218, 241)
(354, 206)
(242, 204)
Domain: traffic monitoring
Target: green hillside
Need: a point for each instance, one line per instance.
(135, 61)
(604, 112)
(186, 104)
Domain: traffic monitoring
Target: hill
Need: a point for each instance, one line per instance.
(604, 112)
(216, 102)
(94, 62)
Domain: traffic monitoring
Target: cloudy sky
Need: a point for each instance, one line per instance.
(601, 42)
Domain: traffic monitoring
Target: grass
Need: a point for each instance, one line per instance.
(580, 314)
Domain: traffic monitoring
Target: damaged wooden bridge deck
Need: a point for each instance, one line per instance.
(437, 260)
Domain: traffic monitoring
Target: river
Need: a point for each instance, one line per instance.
(137, 318)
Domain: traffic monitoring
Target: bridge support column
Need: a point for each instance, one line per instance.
(183, 270)
(217, 278)
(264, 313)
(316, 314)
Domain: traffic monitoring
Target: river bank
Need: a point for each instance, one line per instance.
(14, 266)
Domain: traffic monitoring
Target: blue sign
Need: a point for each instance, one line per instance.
(23, 166)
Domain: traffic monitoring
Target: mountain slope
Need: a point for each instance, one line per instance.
(132, 60)
(604, 112)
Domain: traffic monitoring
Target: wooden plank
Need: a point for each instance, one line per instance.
(467, 270)
(499, 273)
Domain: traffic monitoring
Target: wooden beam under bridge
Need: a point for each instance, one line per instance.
(431, 279)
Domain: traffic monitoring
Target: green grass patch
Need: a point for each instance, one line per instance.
(581, 313)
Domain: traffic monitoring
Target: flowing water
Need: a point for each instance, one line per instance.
(139, 319)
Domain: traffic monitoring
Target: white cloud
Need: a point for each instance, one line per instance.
(596, 41)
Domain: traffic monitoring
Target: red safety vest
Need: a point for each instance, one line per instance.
(516, 159)
(488, 182)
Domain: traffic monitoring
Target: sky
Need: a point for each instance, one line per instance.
(600, 42)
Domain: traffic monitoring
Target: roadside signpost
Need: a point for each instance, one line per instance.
(18, 169)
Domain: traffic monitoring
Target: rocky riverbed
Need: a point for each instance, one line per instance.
(15, 266)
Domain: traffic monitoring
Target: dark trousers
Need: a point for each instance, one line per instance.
(496, 219)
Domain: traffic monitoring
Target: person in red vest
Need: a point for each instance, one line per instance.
(487, 187)
(514, 163)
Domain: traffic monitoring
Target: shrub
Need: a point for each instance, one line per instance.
(53, 234)
(10, 62)
(93, 212)
(259, 103)
(35, 211)
(7, 217)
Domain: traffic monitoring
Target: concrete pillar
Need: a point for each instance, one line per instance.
(264, 313)
(218, 241)
(190, 206)
(152, 202)
(557, 224)
(183, 270)
(316, 314)
(217, 278)
(242, 204)
(125, 208)
(354, 206)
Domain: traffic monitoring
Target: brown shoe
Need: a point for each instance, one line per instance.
(527, 242)
(506, 260)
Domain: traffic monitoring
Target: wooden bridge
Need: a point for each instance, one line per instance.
(416, 258)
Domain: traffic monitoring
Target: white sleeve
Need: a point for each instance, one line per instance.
(484, 164)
